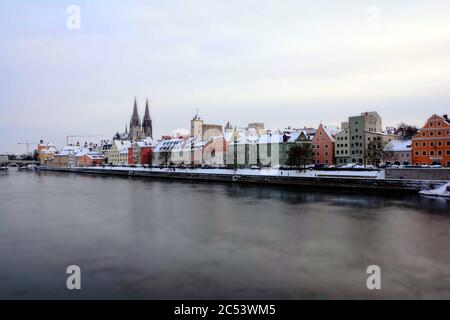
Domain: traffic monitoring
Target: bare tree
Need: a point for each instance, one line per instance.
(300, 155)
(406, 131)
(377, 151)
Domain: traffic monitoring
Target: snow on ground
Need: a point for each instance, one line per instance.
(442, 191)
(258, 172)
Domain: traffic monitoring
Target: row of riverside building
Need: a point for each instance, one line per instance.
(211, 145)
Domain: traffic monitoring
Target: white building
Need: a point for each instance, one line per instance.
(399, 152)
(162, 154)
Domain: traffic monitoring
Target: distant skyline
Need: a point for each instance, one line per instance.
(285, 63)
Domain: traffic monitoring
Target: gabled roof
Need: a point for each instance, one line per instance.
(122, 145)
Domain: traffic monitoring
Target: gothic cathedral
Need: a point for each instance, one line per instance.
(138, 130)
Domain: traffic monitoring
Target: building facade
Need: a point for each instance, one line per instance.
(46, 152)
(342, 145)
(247, 149)
(162, 153)
(431, 145)
(355, 136)
(323, 145)
(87, 158)
(398, 152)
(140, 152)
(203, 131)
(118, 155)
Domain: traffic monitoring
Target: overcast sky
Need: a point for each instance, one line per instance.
(284, 62)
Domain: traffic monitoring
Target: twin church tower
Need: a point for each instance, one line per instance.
(138, 130)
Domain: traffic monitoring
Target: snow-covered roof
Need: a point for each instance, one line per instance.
(270, 138)
(331, 131)
(167, 145)
(399, 145)
(89, 153)
(148, 142)
(122, 145)
(68, 150)
(293, 136)
(49, 150)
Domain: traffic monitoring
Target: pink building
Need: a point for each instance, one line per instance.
(323, 145)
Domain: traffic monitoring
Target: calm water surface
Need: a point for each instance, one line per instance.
(138, 238)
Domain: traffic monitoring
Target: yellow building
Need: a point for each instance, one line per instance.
(46, 152)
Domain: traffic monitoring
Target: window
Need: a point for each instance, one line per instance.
(431, 144)
(431, 133)
(431, 153)
(417, 153)
(424, 144)
(439, 152)
(424, 153)
(439, 133)
(417, 144)
(423, 133)
(439, 143)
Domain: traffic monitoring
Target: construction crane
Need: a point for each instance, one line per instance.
(81, 136)
(27, 143)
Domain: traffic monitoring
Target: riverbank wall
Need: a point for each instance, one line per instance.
(418, 173)
(327, 182)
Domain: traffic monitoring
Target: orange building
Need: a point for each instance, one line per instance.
(323, 145)
(431, 145)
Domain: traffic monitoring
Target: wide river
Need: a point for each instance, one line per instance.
(156, 239)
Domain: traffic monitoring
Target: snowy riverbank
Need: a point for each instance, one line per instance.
(442, 191)
(269, 172)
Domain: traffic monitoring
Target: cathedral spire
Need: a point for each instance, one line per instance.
(147, 122)
(147, 112)
(135, 121)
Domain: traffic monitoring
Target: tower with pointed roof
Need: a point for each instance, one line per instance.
(147, 122)
(135, 124)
